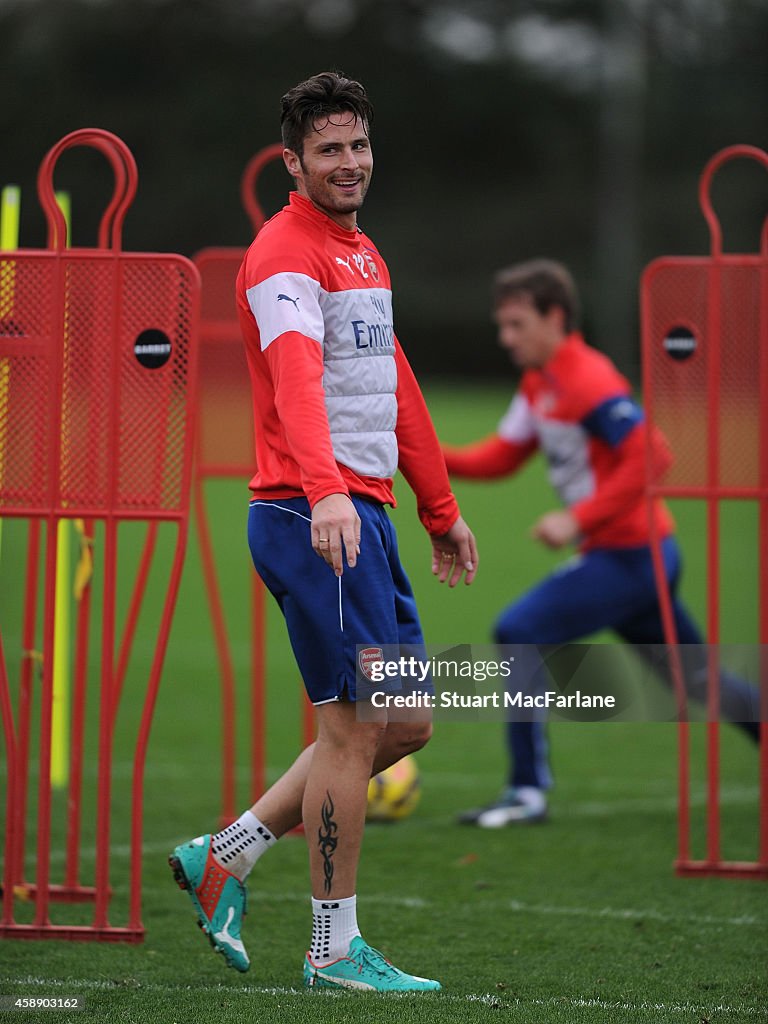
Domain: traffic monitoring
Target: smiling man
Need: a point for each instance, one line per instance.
(337, 411)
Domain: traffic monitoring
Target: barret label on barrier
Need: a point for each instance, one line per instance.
(680, 343)
(152, 348)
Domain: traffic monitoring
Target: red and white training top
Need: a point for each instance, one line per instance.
(579, 411)
(336, 405)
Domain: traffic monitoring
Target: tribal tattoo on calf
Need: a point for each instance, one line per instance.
(327, 840)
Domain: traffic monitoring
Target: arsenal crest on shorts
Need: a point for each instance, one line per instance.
(366, 657)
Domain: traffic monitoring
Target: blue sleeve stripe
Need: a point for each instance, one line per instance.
(613, 419)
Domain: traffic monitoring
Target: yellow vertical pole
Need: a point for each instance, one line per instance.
(9, 221)
(62, 644)
(10, 205)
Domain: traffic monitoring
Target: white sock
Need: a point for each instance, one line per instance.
(239, 845)
(334, 925)
(533, 797)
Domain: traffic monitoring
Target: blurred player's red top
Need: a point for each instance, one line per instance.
(336, 406)
(578, 409)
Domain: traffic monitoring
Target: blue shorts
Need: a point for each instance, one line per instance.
(328, 616)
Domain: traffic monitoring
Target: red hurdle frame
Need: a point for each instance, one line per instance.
(224, 453)
(719, 305)
(96, 429)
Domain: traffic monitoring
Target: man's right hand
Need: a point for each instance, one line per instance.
(336, 528)
(556, 529)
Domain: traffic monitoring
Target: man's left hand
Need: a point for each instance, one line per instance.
(455, 553)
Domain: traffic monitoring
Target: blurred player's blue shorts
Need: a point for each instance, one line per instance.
(330, 617)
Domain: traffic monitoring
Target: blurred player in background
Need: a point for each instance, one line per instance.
(574, 406)
(337, 411)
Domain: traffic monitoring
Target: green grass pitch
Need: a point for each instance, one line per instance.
(576, 921)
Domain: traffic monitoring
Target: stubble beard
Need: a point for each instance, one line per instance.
(327, 198)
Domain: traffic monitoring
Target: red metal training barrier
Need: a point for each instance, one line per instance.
(97, 388)
(705, 384)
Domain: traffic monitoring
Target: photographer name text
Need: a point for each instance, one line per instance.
(454, 699)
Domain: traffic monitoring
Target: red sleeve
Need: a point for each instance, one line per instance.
(296, 365)
(420, 458)
(625, 485)
(487, 459)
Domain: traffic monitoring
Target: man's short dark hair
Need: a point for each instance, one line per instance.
(546, 283)
(320, 97)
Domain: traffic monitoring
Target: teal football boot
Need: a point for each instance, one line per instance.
(218, 897)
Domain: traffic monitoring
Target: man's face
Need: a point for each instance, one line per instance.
(529, 337)
(335, 169)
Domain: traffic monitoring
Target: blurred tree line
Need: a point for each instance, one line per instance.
(504, 129)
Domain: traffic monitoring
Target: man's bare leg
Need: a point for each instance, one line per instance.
(280, 808)
(335, 797)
